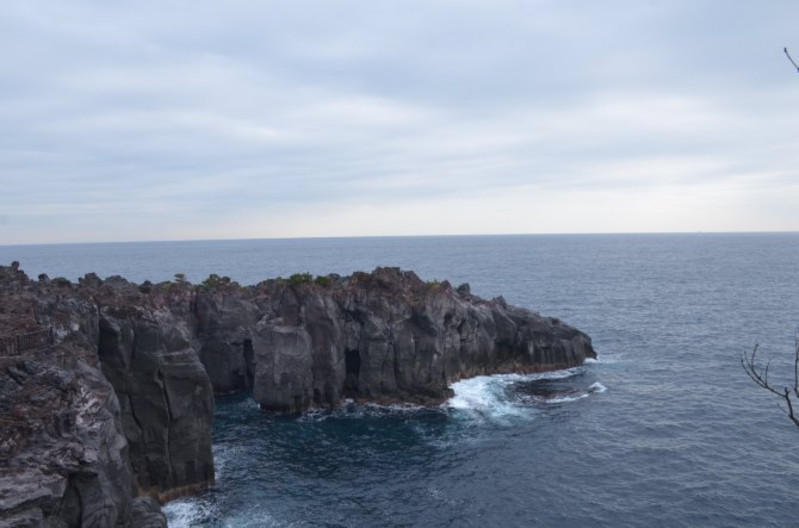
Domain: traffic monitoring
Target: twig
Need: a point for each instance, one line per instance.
(791, 59)
(759, 374)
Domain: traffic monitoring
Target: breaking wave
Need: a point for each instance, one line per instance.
(502, 397)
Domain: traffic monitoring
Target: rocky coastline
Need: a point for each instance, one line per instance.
(108, 410)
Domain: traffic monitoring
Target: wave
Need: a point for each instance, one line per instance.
(485, 397)
(192, 512)
(188, 512)
(505, 396)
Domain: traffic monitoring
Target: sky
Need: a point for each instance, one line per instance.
(169, 120)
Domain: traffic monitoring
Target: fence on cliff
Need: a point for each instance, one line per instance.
(17, 344)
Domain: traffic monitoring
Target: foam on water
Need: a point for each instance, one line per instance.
(350, 409)
(489, 397)
(493, 398)
(185, 513)
(567, 399)
(485, 397)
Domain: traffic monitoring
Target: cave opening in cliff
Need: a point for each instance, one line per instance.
(352, 364)
(249, 355)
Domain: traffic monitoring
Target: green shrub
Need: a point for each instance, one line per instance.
(322, 280)
(212, 281)
(300, 278)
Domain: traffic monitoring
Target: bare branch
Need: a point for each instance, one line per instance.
(791, 415)
(749, 363)
(791, 59)
(758, 373)
(796, 364)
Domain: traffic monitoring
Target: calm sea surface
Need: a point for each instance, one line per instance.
(664, 430)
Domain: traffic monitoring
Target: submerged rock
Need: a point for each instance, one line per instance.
(110, 399)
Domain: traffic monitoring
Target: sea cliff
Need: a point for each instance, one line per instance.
(107, 406)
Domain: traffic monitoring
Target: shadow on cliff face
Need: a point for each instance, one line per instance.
(352, 361)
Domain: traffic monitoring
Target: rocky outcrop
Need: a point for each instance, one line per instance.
(389, 336)
(225, 318)
(63, 449)
(118, 406)
(164, 392)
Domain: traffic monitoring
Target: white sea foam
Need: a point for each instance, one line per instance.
(185, 513)
(488, 397)
(190, 512)
(485, 397)
(595, 387)
(567, 399)
(394, 408)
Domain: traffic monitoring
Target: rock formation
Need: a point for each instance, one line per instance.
(389, 336)
(111, 401)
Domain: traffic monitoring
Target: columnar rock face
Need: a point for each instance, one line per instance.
(119, 407)
(224, 323)
(165, 395)
(389, 336)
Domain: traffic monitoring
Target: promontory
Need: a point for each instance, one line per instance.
(107, 387)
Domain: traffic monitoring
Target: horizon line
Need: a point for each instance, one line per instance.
(343, 237)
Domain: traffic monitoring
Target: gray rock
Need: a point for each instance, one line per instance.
(121, 405)
(146, 513)
(166, 399)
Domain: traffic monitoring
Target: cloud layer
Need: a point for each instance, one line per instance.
(152, 120)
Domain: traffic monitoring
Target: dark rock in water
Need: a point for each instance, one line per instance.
(109, 398)
(146, 513)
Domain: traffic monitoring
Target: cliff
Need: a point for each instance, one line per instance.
(111, 399)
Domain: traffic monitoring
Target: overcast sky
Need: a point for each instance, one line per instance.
(154, 120)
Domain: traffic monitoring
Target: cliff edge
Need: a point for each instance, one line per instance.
(106, 386)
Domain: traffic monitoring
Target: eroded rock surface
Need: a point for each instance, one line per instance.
(114, 404)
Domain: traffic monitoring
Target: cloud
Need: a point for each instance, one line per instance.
(139, 121)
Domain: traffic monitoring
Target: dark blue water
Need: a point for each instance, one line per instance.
(664, 430)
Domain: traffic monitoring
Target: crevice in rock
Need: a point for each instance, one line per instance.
(352, 368)
(249, 362)
(169, 429)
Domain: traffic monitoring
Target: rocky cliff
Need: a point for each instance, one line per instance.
(116, 405)
(389, 336)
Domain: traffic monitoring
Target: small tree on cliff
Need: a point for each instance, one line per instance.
(789, 394)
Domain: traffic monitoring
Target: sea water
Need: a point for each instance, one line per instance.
(664, 429)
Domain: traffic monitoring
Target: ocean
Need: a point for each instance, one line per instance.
(664, 429)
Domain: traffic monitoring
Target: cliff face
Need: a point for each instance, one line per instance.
(166, 398)
(64, 455)
(388, 336)
(120, 403)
